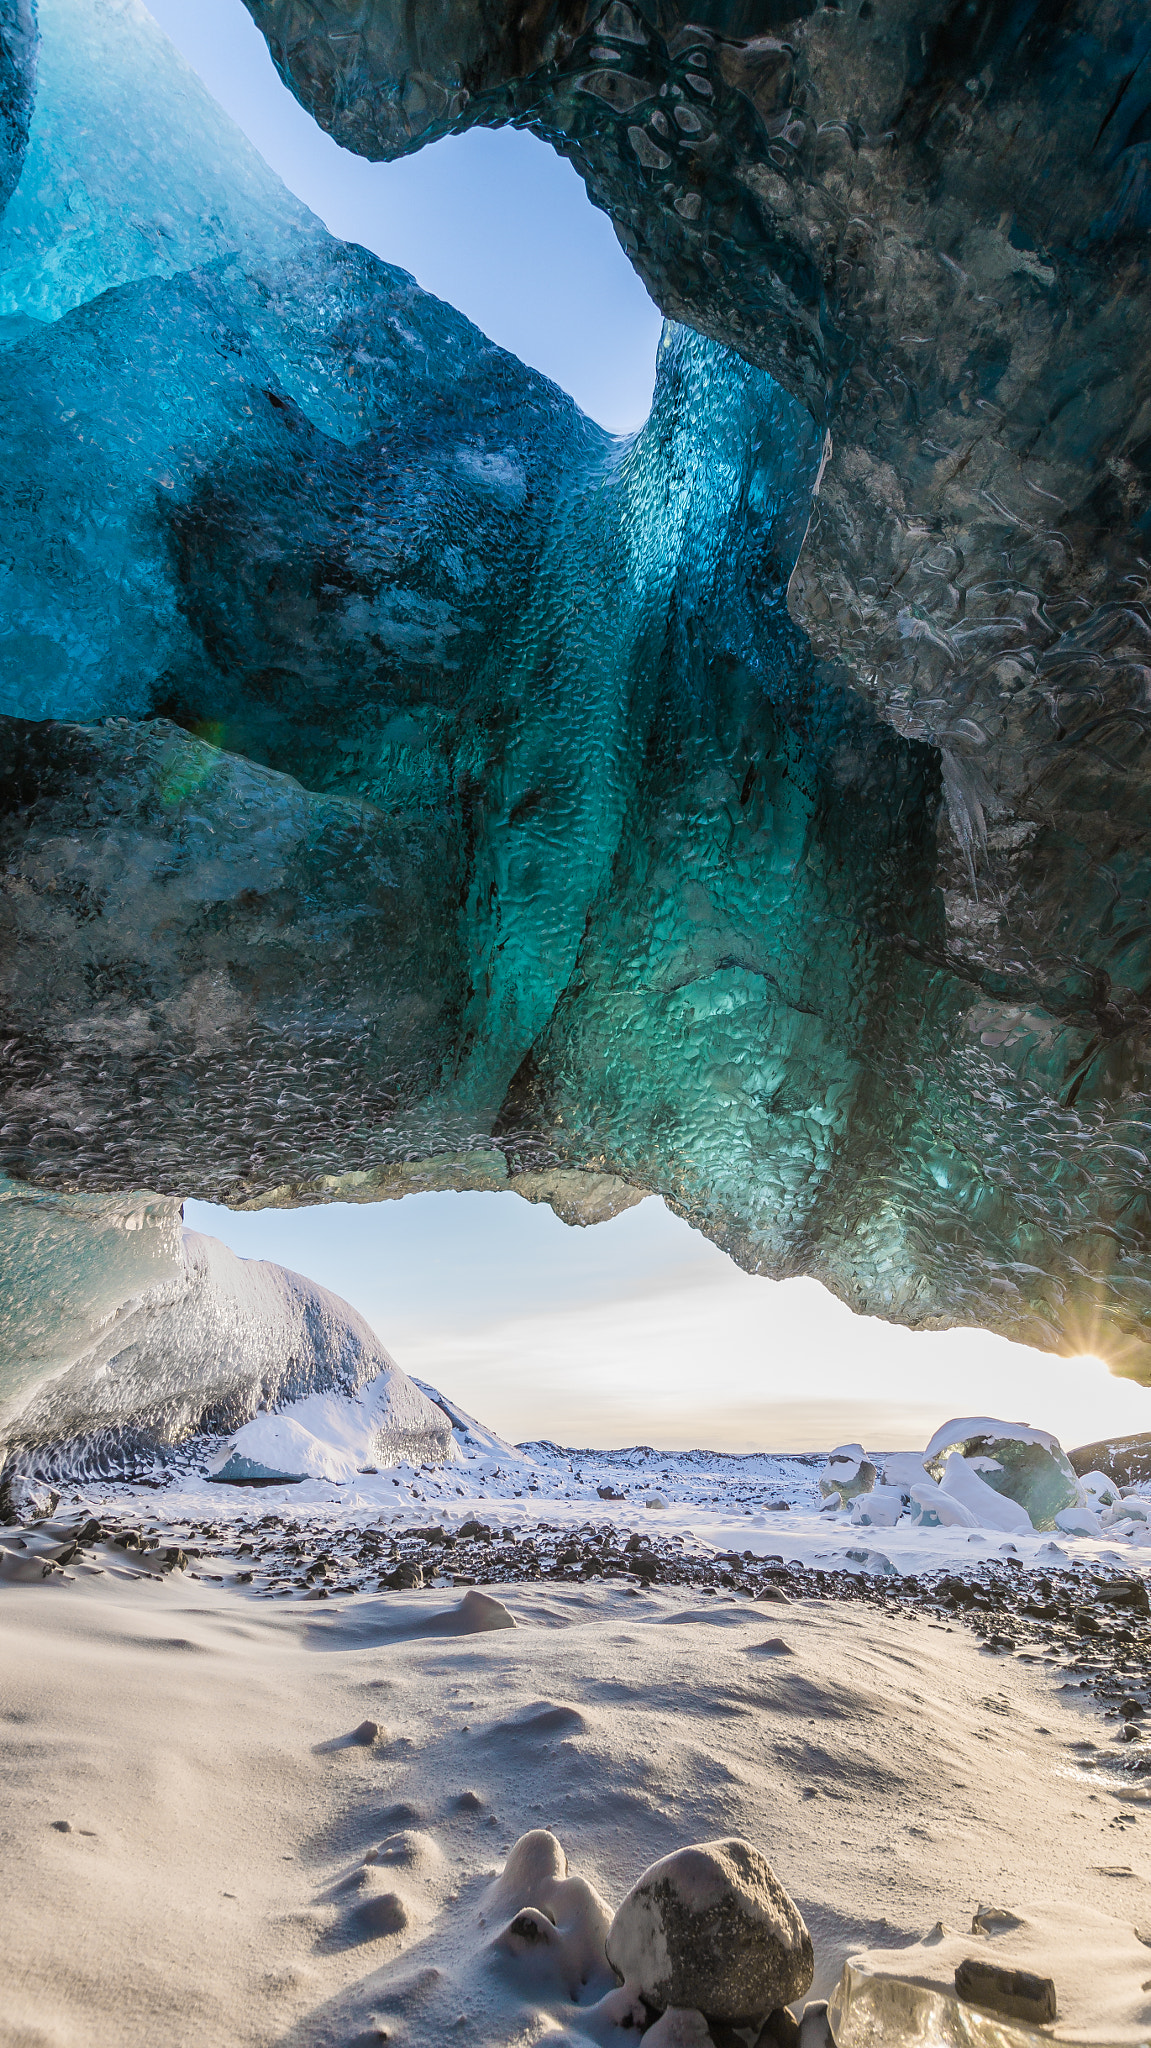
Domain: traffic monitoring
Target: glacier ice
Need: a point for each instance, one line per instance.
(405, 784)
(333, 1434)
(1023, 1464)
(125, 1335)
(19, 51)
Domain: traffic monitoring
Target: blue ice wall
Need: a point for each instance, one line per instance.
(405, 783)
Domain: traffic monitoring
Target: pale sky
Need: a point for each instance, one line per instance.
(638, 1330)
(493, 221)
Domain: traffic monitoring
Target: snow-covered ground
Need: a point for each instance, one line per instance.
(763, 1504)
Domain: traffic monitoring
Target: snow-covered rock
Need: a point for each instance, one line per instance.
(849, 1472)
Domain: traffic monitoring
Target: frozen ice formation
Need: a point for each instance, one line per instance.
(18, 53)
(1023, 1464)
(185, 1339)
(334, 1435)
(404, 784)
(977, 1472)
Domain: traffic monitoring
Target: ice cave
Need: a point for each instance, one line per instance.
(409, 787)
(408, 784)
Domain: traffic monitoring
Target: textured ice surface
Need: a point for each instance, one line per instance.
(18, 54)
(408, 785)
(180, 1337)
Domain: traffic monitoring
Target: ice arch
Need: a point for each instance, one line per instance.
(407, 785)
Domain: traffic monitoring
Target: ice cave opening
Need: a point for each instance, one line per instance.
(715, 815)
(408, 785)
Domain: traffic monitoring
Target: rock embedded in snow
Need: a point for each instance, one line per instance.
(849, 1472)
(711, 1928)
(383, 1915)
(1013, 1994)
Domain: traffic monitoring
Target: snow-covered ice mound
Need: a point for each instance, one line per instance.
(337, 1435)
(200, 1349)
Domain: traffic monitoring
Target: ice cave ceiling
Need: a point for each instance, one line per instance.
(404, 783)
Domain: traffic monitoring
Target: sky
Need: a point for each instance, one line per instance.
(640, 1331)
(637, 1330)
(493, 221)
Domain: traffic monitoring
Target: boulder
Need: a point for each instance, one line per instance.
(26, 1500)
(711, 1928)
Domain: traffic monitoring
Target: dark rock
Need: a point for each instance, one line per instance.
(1127, 1592)
(780, 2030)
(1013, 1994)
(1125, 1459)
(406, 1577)
(711, 1927)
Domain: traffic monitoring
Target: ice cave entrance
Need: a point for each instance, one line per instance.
(640, 1331)
(494, 221)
